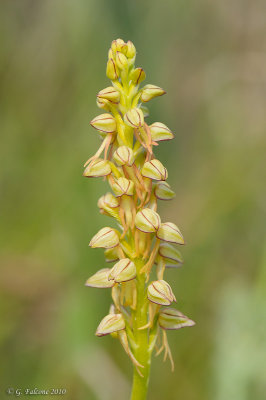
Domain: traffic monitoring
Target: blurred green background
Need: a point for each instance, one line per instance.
(210, 58)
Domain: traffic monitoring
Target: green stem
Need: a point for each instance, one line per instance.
(141, 351)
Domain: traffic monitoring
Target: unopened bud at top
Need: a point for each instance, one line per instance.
(121, 60)
(117, 45)
(97, 168)
(131, 50)
(106, 238)
(154, 169)
(134, 118)
(109, 324)
(112, 71)
(124, 48)
(151, 91)
(123, 156)
(160, 132)
(163, 191)
(170, 319)
(105, 123)
(169, 232)
(109, 93)
(100, 279)
(160, 292)
(122, 186)
(137, 76)
(123, 271)
(147, 220)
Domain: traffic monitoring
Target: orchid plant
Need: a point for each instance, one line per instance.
(139, 315)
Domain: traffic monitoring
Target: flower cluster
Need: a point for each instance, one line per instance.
(137, 181)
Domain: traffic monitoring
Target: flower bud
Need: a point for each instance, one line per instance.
(171, 255)
(160, 132)
(105, 238)
(124, 156)
(147, 220)
(154, 169)
(109, 324)
(104, 123)
(124, 49)
(131, 50)
(151, 91)
(134, 118)
(172, 319)
(111, 70)
(117, 45)
(169, 232)
(108, 200)
(122, 186)
(160, 292)
(123, 271)
(137, 76)
(163, 191)
(121, 60)
(109, 93)
(97, 168)
(100, 279)
(111, 255)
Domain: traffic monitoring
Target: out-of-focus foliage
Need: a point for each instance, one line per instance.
(210, 58)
